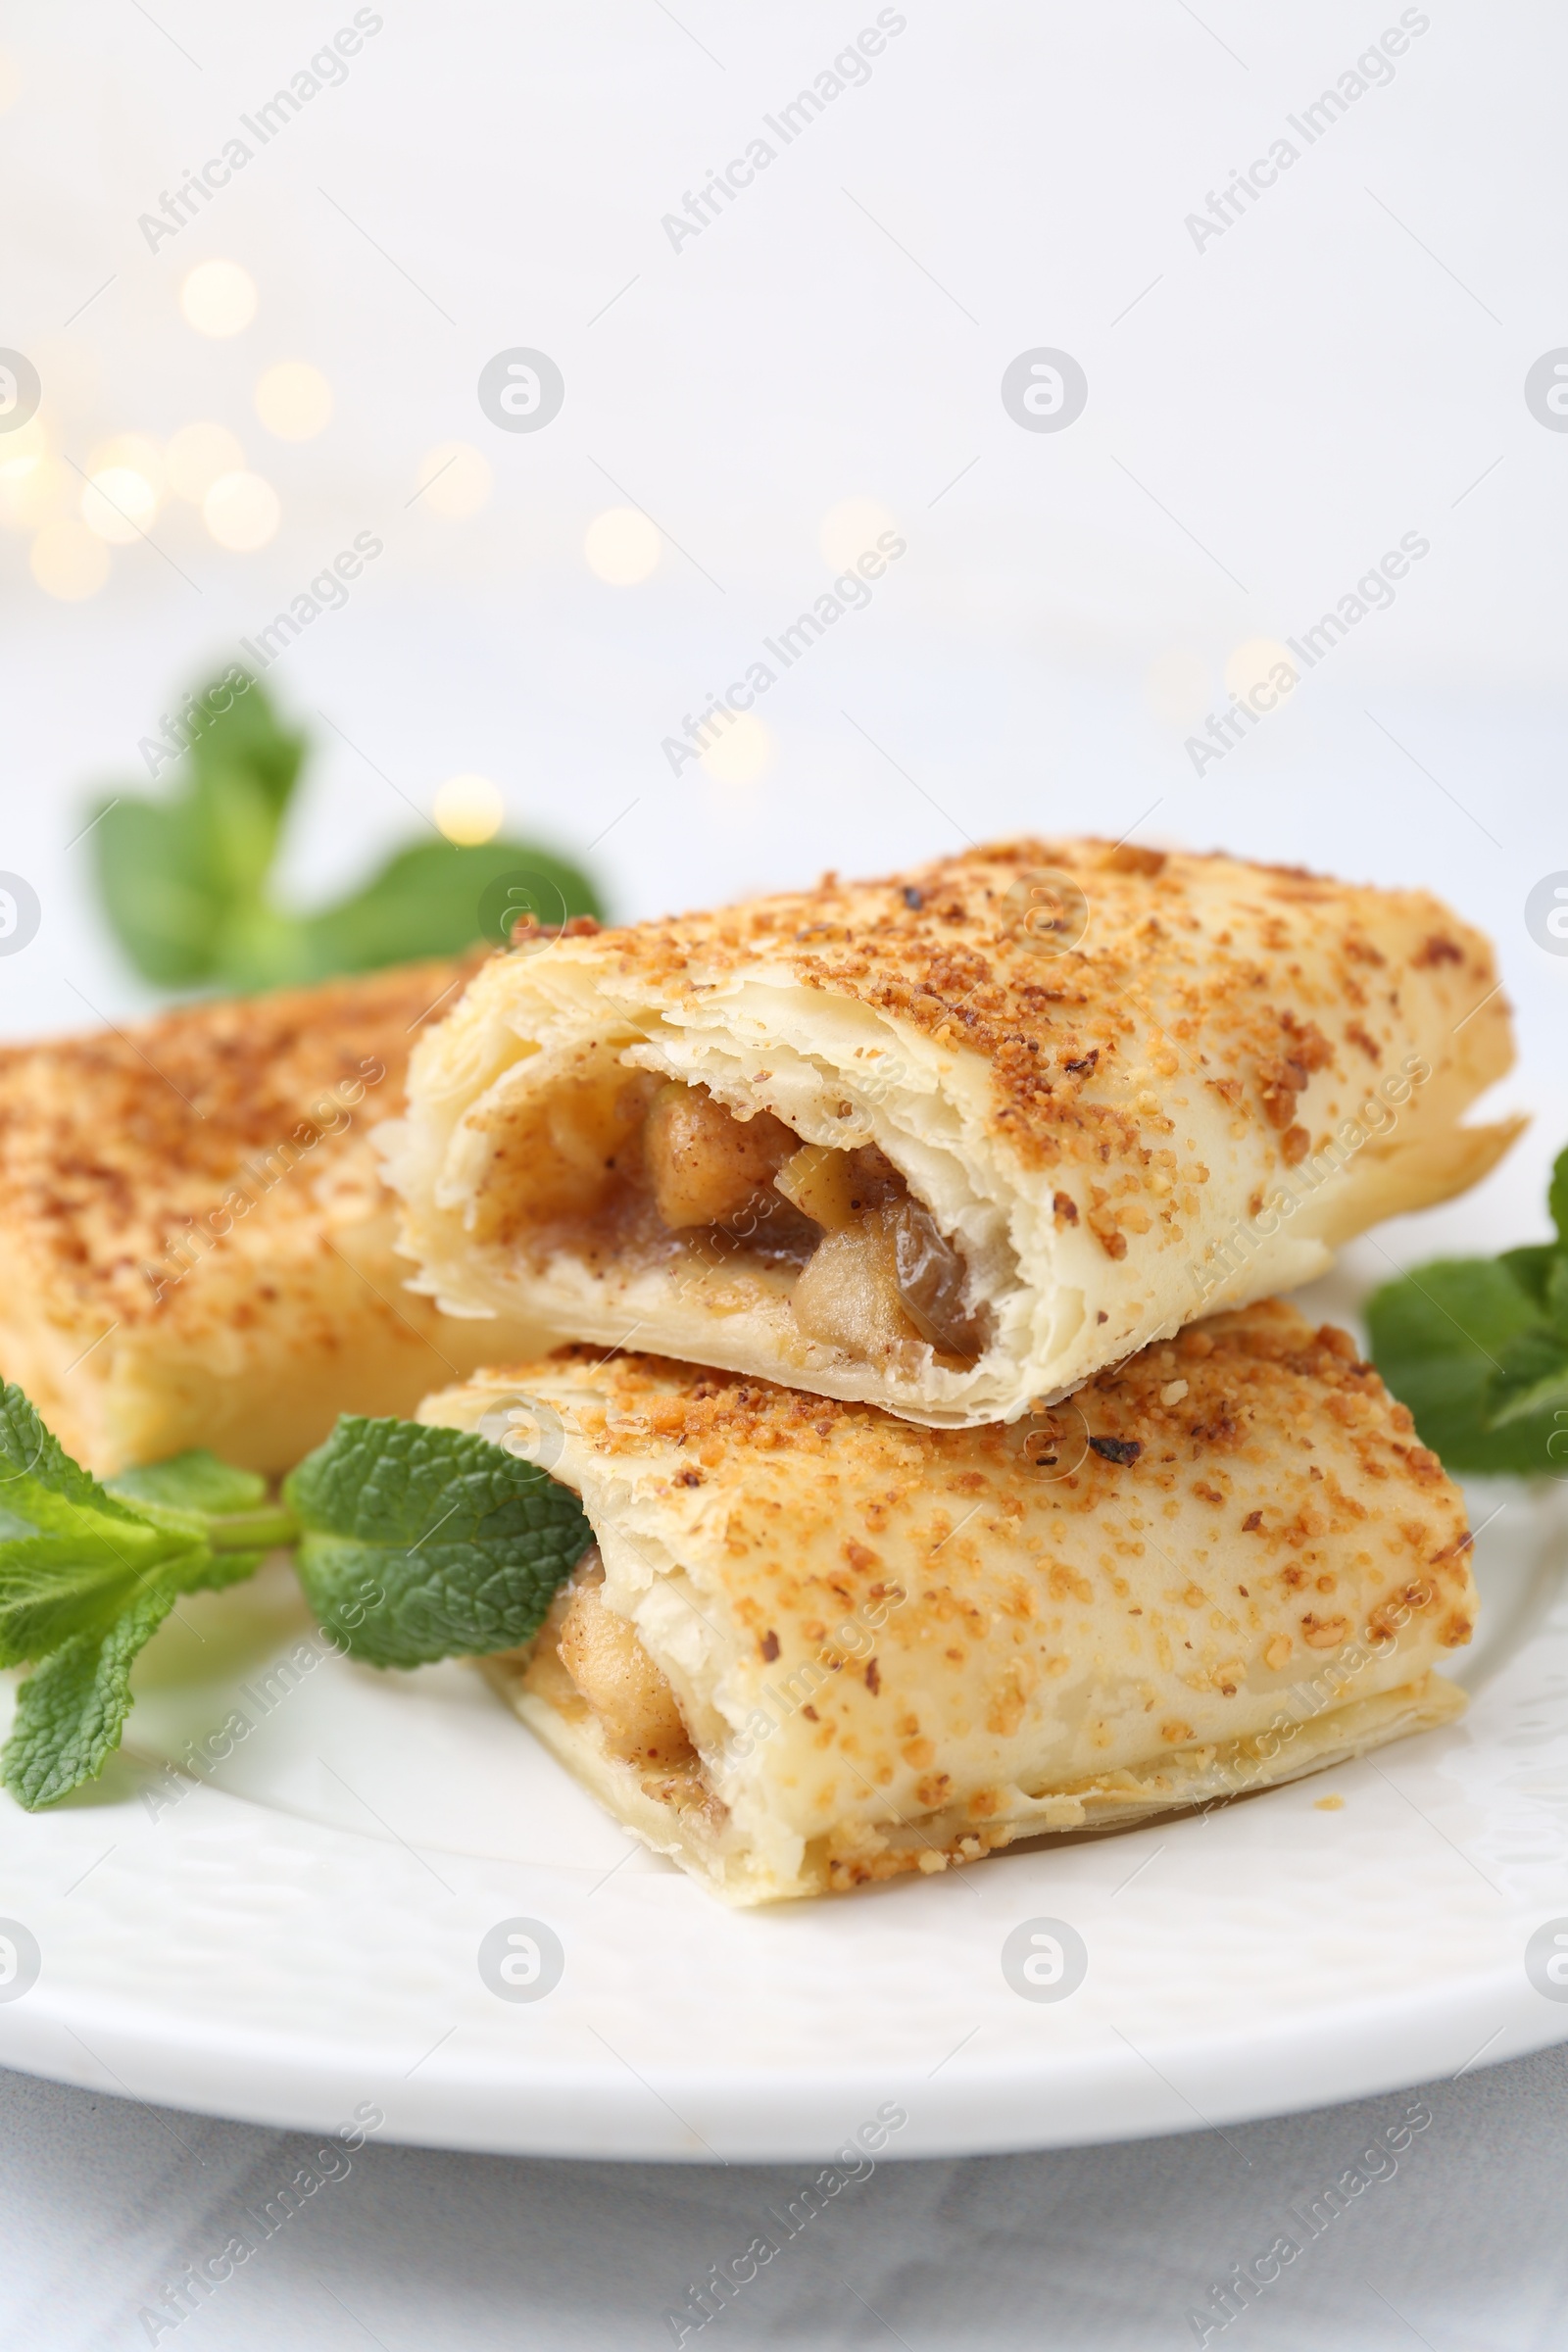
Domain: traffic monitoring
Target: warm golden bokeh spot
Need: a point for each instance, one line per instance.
(68, 561)
(849, 528)
(1249, 665)
(34, 486)
(294, 400)
(118, 504)
(453, 480)
(242, 511)
(621, 546)
(744, 752)
(470, 809)
(135, 453)
(219, 298)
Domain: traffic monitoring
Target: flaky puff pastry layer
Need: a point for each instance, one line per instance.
(1224, 1565)
(1131, 1087)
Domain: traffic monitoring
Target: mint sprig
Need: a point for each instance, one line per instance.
(414, 1544)
(1477, 1349)
(72, 1707)
(87, 1577)
(188, 879)
(72, 1556)
(464, 1544)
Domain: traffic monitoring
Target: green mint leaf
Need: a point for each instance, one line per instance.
(192, 1482)
(1440, 1337)
(71, 1554)
(214, 1571)
(88, 1575)
(28, 1450)
(72, 1709)
(1531, 1379)
(1530, 1384)
(423, 1544)
(1532, 1375)
(184, 878)
(247, 741)
(1531, 1267)
(1557, 1199)
(436, 900)
(156, 891)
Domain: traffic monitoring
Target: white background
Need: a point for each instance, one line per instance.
(1266, 415)
(1298, 394)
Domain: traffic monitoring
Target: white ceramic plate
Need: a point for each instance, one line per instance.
(301, 1933)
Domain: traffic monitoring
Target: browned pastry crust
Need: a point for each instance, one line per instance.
(195, 1246)
(1124, 1087)
(1222, 1564)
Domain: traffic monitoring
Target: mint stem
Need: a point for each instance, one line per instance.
(254, 1531)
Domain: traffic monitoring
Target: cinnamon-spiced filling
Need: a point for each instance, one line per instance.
(630, 1170)
(615, 1676)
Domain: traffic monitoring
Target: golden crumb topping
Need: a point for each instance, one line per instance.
(116, 1148)
(1229, 1538)
(1253, 1401)
(1083, 970)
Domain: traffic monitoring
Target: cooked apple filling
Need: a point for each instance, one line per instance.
(626, 1168)
(615, 1676)
(705, 1166)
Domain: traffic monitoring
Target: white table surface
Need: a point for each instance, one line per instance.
(1462, 2248)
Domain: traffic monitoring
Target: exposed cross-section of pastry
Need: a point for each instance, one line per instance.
(815, 1646)
(196, 1247)
(952, 1141)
